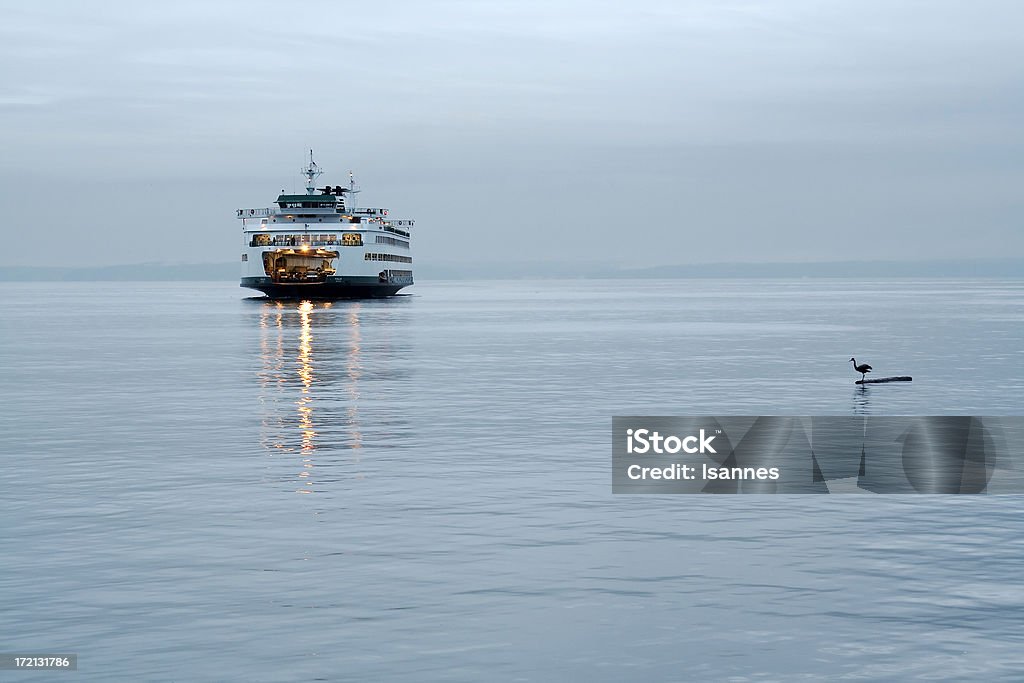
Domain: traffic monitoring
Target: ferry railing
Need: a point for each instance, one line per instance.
(302, 243)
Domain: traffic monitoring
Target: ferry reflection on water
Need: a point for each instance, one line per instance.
(312, 388)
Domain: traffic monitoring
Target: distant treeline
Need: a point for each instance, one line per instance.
(1010, 267)
(843, 269)
(132, 273)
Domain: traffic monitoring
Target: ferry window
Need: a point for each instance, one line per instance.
(351, 239)
(395, 258)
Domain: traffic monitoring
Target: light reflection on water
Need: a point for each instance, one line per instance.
(353, 369)
(321, 333)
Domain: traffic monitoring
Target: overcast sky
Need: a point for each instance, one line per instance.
(626, 133)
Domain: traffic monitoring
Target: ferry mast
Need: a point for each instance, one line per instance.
(312, 172)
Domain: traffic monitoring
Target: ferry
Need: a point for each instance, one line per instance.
(319, 245)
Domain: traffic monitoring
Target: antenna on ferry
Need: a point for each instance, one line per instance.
(312, 172)
(352, 190)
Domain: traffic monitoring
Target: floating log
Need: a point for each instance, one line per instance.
(883, 380)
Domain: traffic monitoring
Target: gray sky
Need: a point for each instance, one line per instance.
(630, 133)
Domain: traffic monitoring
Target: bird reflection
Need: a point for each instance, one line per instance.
(861, 400)
(298, 369)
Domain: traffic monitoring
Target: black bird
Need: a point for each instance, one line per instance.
(863, 368)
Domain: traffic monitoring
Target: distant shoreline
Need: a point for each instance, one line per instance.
(966, 268)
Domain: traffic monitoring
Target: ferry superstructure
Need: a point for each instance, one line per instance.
(319, 245)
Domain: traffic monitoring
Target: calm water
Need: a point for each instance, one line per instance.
(200, 486)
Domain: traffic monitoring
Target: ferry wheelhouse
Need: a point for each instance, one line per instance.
(319, 245)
